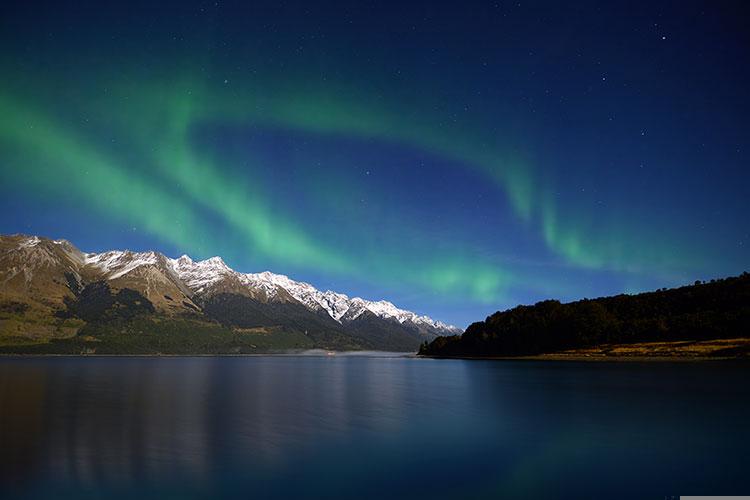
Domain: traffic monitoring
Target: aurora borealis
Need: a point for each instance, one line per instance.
(454, 159)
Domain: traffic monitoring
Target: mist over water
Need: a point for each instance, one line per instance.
(367, 354)
(320, 426)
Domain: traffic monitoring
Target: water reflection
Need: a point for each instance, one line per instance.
(119, 422)
(366, 427)
(618, 430)
(103, 421)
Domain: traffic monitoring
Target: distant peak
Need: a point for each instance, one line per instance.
(31, 241)
(216, 261)
(268, 275)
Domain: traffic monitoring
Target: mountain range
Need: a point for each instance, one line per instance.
(56, 298)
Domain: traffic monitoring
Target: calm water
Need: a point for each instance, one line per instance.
(369, 427)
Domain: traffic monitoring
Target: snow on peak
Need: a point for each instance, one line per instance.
(271, 283)
(118, 263)
(216, 263)
(337, 305)
(184, 259)
(30, 242)
(201, 276)
(386, 309)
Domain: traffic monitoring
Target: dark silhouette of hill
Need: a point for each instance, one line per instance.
(719, 309)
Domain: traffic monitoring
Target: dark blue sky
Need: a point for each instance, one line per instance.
(453, 158)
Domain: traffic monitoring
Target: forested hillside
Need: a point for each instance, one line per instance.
(706, 310)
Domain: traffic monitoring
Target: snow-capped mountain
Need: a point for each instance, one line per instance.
(200, 276)
(52, 274)
(338, 305)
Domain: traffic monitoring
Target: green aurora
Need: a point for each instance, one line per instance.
(128, 143)
(156, 120)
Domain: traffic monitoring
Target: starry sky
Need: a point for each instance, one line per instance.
(454, 158)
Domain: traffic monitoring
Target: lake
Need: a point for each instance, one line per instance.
(370, 427)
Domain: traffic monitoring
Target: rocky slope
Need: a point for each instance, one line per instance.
(55, 297)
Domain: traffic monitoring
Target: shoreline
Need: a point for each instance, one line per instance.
(684, 351)
(336, 354)
(355, 354)
(595, 359)
(679, 351)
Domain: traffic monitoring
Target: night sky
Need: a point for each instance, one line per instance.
(455, 159)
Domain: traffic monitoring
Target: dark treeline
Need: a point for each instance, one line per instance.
(705, 310)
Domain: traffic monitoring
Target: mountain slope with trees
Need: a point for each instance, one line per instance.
(55, 298)
(719, 309)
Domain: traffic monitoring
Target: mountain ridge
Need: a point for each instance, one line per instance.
(50, 277)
